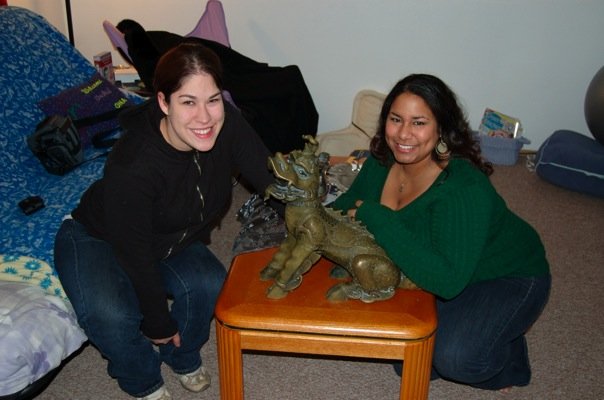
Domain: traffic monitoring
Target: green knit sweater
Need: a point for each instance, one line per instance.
(458, 232)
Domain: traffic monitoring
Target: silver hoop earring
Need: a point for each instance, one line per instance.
(442, 150)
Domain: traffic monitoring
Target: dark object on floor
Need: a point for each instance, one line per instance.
(573, 161)
(261, 226)
(56, 143)
(31, 204)
(594, 106)
(274, 100)
(398, 369)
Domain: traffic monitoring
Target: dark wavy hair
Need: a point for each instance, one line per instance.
(453, 126)
(188, 58)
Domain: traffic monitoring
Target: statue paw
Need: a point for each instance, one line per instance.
(290, 285)
(275, 292)
(268, 273)
(339, 272)
(337, 293)
(406, 283)
(351, 290)
(377, 295)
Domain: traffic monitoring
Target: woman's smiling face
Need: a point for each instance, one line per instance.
(411, 130)
(194, 114)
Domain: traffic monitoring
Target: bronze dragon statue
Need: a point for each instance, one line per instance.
(314, 231)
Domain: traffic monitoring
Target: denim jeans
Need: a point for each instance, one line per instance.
(107, 307)
(480, 336)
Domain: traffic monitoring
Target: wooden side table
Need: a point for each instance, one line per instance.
(305, 322)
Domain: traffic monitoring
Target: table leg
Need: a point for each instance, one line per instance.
(230, 362)
(417, 365)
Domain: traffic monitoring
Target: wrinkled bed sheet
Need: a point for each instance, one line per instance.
(37, 330)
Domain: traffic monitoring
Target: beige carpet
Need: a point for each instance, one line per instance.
(566, 345)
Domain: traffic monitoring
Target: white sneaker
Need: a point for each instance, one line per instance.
(196, 381)
(160, 394)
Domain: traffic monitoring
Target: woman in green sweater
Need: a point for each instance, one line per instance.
(425, 195)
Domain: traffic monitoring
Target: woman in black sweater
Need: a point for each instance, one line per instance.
(135, 239)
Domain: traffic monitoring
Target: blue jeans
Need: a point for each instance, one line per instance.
(107, 307)
(480, 336)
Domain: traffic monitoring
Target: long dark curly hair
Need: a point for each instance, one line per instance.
(453, 126)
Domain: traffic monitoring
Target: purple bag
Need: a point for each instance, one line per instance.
(93, 106)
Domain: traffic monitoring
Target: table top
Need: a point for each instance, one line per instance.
(242, 304)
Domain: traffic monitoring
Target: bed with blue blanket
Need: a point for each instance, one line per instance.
(38, 328)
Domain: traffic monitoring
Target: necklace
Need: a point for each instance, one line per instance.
(402, 185)
(419, 178)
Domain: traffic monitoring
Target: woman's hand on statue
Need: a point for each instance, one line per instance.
(352, 213)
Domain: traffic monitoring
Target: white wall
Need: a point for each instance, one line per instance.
(52, 10)
(529, 59)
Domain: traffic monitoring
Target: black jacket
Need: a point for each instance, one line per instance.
(147, 199)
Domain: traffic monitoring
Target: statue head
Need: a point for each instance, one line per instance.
(300, 174)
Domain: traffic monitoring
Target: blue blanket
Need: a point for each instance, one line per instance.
(37, 62)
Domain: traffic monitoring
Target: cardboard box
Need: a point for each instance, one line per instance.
(126, 74)
(104, 65)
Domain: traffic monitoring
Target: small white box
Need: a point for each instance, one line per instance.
(104, 64)
(126, 74)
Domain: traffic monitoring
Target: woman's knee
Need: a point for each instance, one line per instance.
(100, 292)
(109, 317)
(202, 292)
(472, 363)
(197, 274)
(461, 365)
(215, 279)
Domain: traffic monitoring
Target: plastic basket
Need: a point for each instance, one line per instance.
(501, 150)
